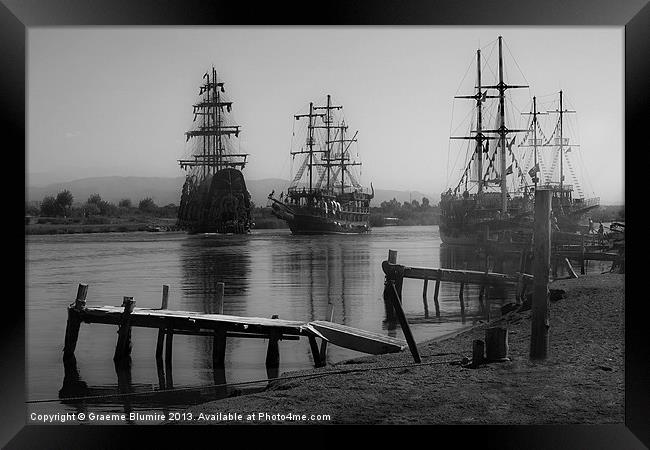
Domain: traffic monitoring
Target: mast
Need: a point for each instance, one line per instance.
(479, 124)
(561, 112)
(310, 142)
(502, 133)
(328, 119)
(211, 156)
(535, 139)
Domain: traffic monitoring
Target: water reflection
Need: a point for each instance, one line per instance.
(209, 259)
(324, 271)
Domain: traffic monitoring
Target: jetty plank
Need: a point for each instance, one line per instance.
(190, 320)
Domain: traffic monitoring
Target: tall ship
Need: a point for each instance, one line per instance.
(214, 198)
(324, 196)
(494, 196)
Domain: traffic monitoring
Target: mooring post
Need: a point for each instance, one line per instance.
(542, 246)
(273, 349)
(315, 352)
(572, 273)
(424, 298)
(478, 353)
(435, 298)
(582, 254)
(123, 346)
(161, 331)
(74, 321)
(218, 301)
(462, 300)
(323, 344)
(393, 295)
(169, 341)
(487, 302)
(496, 344)
(398, 276)
(219, 348)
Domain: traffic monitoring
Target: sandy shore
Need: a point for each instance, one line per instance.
(582, 381)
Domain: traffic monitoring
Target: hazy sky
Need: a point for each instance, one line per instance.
(118, 100)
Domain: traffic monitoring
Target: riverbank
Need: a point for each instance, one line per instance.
(582, 381)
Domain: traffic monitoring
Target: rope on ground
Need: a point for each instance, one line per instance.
(242, 383)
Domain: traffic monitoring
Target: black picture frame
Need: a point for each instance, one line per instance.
(16, 16)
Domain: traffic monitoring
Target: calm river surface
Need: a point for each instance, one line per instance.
(267, 272)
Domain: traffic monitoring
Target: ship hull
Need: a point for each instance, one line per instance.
(314, 220)
(305, 224)
(217, 204)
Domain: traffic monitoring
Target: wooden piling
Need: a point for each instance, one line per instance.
(218, 301)
(393, 295)
(542, 249)
(572, 273)
(496, 344)
(273, 349)
(462, 300)
(323, 344)
(123, 346)
(169, 341)
(161, 331)
(219, 349)
(435, 298)
(74, 322)
(392, 256)
(582, 255)
(478, 353)
(424, 298)
(315, 352)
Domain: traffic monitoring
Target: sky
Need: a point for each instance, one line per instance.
(116, 101)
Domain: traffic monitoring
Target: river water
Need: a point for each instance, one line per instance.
(265, 273)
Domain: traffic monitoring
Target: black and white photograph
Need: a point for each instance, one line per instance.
(325, 225)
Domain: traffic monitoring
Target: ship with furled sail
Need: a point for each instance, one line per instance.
(214, 197)
(324, 196)
(494, 197)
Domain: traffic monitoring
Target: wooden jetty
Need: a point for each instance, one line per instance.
(396, 273)
(219, 326)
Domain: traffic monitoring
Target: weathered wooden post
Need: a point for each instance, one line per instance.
(462, 300)
(74, 321)
(582, 254)
(395, 274)
(123, 347)
(569, 267)
(496, 344)
(169, 341)
(161, 331)
(435, 298)
(424, 298)
(273, 349)
(315, 352)
(478, 353)
(323, 344)
(399, 278)
(542, 249)
(218, 301)
(219, 348)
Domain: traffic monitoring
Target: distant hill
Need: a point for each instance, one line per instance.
(166, 190)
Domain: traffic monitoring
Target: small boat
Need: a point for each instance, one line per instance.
(356, 339)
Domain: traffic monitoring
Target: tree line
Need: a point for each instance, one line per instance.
(407, 213)
(62, 205)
